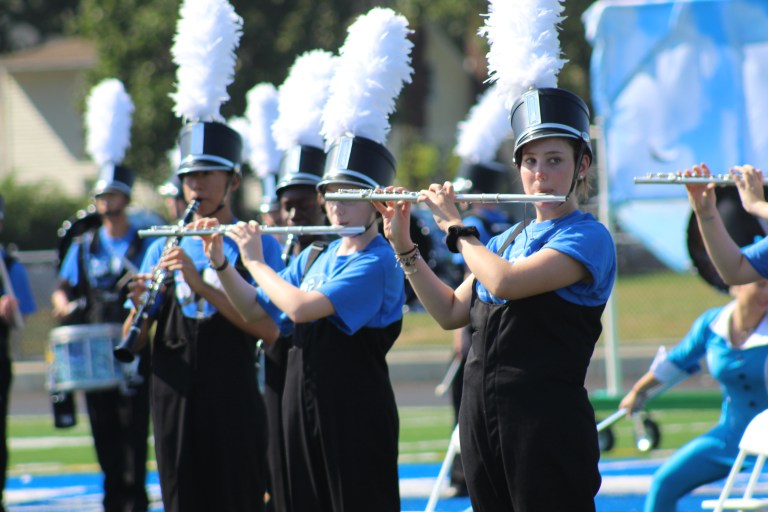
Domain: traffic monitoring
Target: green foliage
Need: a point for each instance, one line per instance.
(134, 38)
(25, 22)
(33, 214)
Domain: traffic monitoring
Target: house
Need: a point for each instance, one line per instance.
(41, 131)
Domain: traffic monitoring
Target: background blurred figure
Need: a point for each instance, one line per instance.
(490, 220)
(16, 300)
(733, 339)
(477, 144)
(173, 195)
(92, 289)
(296, 132)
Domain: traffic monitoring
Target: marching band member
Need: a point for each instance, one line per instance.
(343, 304)
(534, 299)
(296, 132)
(737, 265)
(91, 275)
(207, 410)
(16, 301)
(733, 340)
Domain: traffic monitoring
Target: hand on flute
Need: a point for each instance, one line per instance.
(396, 216)
(701, 196)
(749, 182)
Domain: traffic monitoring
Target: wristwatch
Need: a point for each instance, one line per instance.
(457, 230)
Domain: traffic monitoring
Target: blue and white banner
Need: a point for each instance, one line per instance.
(676, 83)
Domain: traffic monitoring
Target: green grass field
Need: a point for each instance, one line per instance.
(649, 308)
(38, 448)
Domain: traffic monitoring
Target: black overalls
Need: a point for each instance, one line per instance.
(340, 419)
(527, 428)
(208, 414)
(275, 363)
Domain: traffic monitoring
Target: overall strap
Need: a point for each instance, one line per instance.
(316, 248)
(520, 227)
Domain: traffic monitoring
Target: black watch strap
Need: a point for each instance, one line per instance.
(456, 231)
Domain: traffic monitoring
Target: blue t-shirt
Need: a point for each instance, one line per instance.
(577, 235)
(21, 288)
(366, 288)
(193, 306)
(104, 265)
(757, 256)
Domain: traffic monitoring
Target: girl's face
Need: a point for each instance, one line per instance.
(546, 167)
(348, 213)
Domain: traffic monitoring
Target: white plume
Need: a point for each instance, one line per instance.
(486, 126)
(524, 45)
(243, 127)
(301, 99)
(108, 122)
(261, 112)
(207, 35)
(374, 63)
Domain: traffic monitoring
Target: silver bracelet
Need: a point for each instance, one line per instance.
(407, 260)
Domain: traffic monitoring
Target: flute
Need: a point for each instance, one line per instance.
(155, 231)
(354, 194)
(671, 178)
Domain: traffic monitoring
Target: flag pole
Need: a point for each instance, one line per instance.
(613, 375)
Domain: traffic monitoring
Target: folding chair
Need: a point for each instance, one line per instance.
(753, 442)
(453, 449)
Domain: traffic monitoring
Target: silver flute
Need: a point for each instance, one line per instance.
(156, 231)
(671, 178)
(354, 194)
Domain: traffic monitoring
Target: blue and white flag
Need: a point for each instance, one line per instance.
(676, 83)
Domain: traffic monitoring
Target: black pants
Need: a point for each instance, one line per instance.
(120, 426)
(5, 388)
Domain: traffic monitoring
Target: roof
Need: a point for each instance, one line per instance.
(56, 54)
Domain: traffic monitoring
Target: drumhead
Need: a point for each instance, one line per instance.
(80, 357)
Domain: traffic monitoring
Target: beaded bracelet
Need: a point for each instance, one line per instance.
(407, 260)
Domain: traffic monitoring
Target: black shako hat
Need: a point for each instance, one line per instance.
(487, 177)
(549, 112)
(743, 227)
(114, 178)
(209, 146)
(359, 162)
(301, 165)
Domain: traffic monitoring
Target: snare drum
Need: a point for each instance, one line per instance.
(80, 357)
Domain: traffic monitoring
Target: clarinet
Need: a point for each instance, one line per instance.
(290, 242)
(126, 351)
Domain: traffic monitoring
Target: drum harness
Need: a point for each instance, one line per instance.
(99, 304)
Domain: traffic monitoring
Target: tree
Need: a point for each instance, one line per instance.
(134, 38)
(25, 23)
